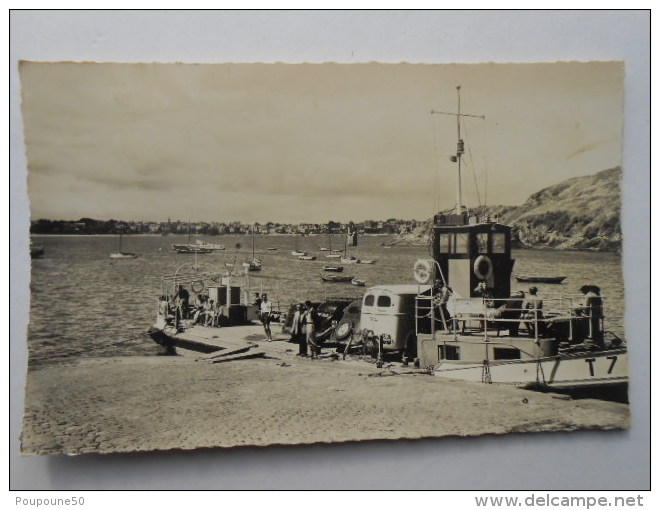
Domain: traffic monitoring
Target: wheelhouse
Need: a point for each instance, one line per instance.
(469, 252)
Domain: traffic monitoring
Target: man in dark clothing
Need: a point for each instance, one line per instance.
(297, 334)
(310, 320)
(183, 300)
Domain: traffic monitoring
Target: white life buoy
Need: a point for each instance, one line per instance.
(197, 286)
(424, 271)
(483, 267)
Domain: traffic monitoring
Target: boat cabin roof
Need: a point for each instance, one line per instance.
(399, 289)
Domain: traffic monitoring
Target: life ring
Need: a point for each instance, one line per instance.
(344, 330)
(423, 271)
(197, 289)
(483, 267)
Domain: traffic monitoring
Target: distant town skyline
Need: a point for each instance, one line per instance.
(294, 143)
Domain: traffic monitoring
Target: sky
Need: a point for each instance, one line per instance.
(308, 142)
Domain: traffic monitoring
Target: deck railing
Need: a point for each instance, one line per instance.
(494, 315)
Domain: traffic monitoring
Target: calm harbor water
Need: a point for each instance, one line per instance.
(85, 304)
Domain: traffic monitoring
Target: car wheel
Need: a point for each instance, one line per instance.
(344, 330)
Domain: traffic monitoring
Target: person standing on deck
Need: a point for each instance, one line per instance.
(297, 335)
(310, 319)
(533, 313)
(593, 308)
(265, 311)
(182, 297)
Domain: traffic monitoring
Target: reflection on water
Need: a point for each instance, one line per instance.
(85, 304)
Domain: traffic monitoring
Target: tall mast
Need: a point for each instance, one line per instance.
(460, 147)
(459, 152)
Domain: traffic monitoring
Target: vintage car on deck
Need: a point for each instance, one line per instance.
(329, 313)
(348, 325)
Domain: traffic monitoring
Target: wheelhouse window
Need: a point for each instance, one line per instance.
(453, 243)
(444, 243)
(369, 300)
(384, 301)
(482, 242)
(499, 242)
(461, 244)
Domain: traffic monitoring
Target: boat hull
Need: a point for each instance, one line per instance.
(566, 371)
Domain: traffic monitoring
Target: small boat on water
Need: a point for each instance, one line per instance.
(191, 249)
(333, 269)
(366, 261)
(539, 279)
(297, 253)
(119, 254)
(349, 260)
(333, 256)
(210, 246)
(271, 249)
(325, 249)
(307, 257)
(36, 250)
(254, 264)
(336, 278)
(358, 282)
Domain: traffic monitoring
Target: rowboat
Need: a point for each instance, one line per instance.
(191, 250)
(307, 257)
(336, 278)
(333, 269)
(539, 279)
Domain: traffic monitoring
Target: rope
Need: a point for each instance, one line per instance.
(485, 373)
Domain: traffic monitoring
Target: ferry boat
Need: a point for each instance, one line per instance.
(185, 325)
(469, 326)
(486, 334)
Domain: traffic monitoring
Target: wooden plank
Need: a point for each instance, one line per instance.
(247, 355)
(225, 352)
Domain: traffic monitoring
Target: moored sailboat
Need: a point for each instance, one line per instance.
(254, 264)
(119, 254)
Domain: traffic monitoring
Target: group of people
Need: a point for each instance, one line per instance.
(303, 330)
(532, 308)
(204, 311)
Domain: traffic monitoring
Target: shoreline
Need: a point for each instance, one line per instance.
(124, 404)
